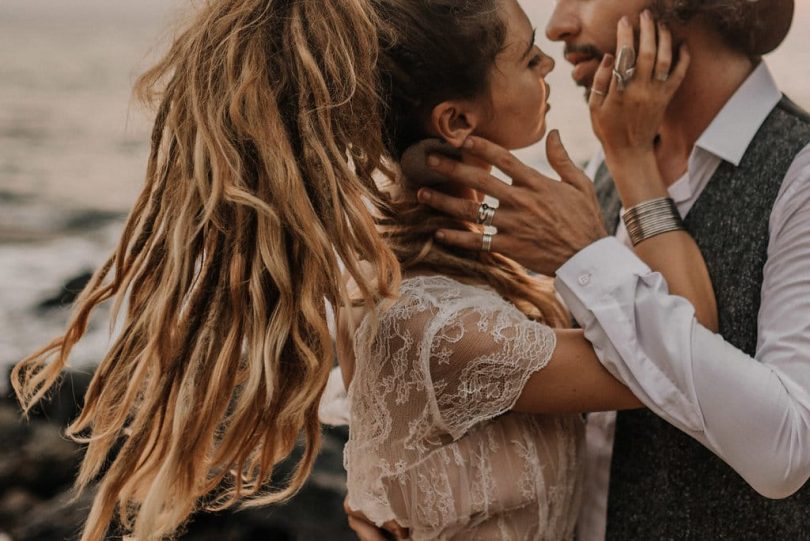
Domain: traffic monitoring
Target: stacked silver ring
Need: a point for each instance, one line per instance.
(652, 218)
(486, 242)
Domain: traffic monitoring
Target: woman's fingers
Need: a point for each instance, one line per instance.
(647, 47)
(468, 176)
(365, 531)
(360, 525)
(601, 82)
(625, 37)
(398, 531)
(679, 73)
(457, 207)
(663, 62)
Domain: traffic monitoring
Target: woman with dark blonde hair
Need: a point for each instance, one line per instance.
(274, 168)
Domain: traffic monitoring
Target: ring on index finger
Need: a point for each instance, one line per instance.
(625, 67)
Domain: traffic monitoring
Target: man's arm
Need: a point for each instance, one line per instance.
(754, 413)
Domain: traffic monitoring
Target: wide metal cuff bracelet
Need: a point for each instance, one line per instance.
(652, 218)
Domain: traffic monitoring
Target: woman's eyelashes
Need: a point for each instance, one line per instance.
(537, 58)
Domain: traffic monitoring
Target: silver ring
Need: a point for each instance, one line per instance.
(663, 77)
(485, 214)
(625, 67)
(490, 215)
(598, 92)
(486, 242)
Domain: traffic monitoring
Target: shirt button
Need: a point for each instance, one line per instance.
(584, 279)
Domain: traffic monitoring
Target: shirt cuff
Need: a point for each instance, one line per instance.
(596, 271)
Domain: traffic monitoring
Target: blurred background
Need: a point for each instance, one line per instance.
(73, 149)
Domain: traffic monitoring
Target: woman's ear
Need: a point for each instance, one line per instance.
(453, 121)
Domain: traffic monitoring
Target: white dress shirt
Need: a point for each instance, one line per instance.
(754, 413)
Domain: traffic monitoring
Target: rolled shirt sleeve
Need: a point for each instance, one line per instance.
(754, 413)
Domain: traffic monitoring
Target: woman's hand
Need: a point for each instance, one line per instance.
(627, 116)
(367, 531)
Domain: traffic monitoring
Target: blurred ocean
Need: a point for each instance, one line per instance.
(73, 146)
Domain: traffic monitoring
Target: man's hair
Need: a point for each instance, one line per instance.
(737, 21)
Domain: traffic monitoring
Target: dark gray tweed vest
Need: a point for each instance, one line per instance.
(663, 484)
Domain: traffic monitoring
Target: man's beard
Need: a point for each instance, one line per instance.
(590, 52)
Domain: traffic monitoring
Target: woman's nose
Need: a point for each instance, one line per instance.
(564, 22)
(547, 65)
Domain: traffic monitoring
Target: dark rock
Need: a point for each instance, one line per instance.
(38, 465)
(68, 293)
(91, 219)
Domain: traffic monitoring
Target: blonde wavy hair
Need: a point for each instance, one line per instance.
(266, 135)
(273, 119)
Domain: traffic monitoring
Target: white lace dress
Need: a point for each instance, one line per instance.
(433, 444)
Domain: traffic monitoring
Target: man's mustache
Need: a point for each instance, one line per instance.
(586, 50)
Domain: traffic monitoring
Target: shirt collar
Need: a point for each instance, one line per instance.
(733, 129)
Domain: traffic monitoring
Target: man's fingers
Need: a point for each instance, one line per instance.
(462, 209)
(468, 176)
(467, 240)
(499, 157)
(559, 159)
(414, 166)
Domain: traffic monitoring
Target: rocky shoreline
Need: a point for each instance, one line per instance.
(38, 464)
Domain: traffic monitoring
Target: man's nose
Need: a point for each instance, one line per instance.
(564, 23)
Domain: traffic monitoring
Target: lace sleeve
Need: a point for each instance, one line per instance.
(480, 360)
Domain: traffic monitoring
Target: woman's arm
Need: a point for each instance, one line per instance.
(574, 381)
(626, 123)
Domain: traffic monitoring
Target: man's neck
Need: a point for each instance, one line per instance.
(715, 74)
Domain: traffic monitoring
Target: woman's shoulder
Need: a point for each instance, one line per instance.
(440, 289)
(427, 303)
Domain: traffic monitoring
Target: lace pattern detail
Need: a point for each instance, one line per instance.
(433, 443)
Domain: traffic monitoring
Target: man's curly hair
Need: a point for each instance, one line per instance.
(738, 21)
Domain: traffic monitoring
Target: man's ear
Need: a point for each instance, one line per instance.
(453, 121)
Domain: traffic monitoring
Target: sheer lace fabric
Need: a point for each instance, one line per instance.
(433, 444)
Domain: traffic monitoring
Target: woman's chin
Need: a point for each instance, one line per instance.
(530, 139)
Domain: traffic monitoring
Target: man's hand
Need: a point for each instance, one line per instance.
(367, 531)
(541, 222)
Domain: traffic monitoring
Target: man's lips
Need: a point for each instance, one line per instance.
(578, 58)
(584, 69)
